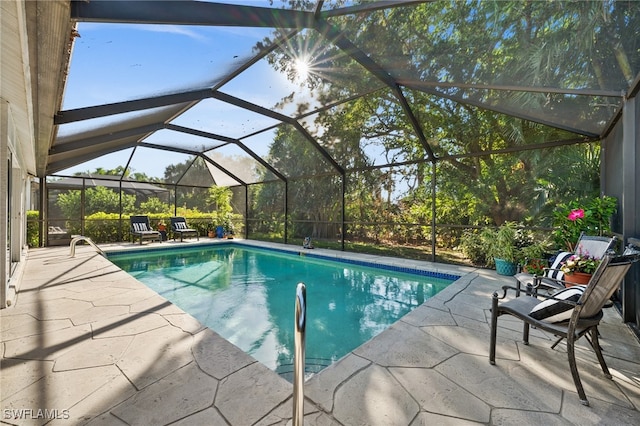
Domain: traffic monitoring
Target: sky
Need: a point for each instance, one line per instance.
(119, 62)
(116, 62)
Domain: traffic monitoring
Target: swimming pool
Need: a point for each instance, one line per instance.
(247, 295)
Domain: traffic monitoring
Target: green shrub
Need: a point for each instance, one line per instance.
(33, 228)
(591, 216)
(104, 227)
(474, 247)
(110, 228)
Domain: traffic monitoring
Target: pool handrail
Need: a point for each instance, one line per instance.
(299, 354)
(77, 238)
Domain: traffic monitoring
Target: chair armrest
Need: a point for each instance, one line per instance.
(537, 280)
(505, 289)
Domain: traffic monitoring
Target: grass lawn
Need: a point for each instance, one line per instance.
(443, 255)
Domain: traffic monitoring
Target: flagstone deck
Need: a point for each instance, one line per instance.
(94, 346)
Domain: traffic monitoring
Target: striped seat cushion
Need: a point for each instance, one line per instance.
(556, 310)
(140, 227)
(555, 271)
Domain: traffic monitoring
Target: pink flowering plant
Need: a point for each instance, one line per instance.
(575, 214)
(580, 262)
(592, 217)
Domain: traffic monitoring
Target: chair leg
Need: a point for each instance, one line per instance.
(525, 333)
(574, 369)
(595, 344)
(556, 343)
(494, 329)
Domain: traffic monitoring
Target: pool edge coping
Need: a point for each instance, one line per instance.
(411, 266)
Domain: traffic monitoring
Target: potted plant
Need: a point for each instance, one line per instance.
(502, 247)
(506, 248)
(535, 256)
(535, 266)
(578, 268)
(510, 247)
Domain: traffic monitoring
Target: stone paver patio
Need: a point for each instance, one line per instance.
(92, 345)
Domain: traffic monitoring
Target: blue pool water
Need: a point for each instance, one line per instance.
(247, 295)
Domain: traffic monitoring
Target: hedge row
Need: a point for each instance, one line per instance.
(109, 227)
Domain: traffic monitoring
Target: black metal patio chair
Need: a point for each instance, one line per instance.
(179, 227)
(141, 229)
(551, 279)
(568, 314)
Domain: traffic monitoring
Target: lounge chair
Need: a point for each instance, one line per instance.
(179, 227)
(568, 314)
(141, 229)
(594, 246)
(56, 236)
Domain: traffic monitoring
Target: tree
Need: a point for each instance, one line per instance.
(98, 199)
(195, 178)
(219, 200)
(155, 205)
(486, 171)
(315, 199)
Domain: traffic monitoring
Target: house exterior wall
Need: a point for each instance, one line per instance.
(5, 263)
(17, 144)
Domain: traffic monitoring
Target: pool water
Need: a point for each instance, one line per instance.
(247, 295)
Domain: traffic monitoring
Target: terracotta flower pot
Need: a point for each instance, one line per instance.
(576, 278)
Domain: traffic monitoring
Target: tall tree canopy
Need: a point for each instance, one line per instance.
(491, 167)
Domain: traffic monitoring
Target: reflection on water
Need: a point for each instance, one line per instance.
(248, 295)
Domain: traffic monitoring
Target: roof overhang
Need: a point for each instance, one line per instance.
(50, 33)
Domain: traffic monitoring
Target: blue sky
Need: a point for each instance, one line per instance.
(116, 62)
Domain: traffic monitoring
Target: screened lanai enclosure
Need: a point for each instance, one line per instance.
(389, 123)
(394, 127)
(393, 122)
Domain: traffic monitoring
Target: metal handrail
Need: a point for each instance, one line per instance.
(73, 242)
(298, 355)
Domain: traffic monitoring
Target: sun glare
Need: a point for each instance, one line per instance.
(301, 66)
